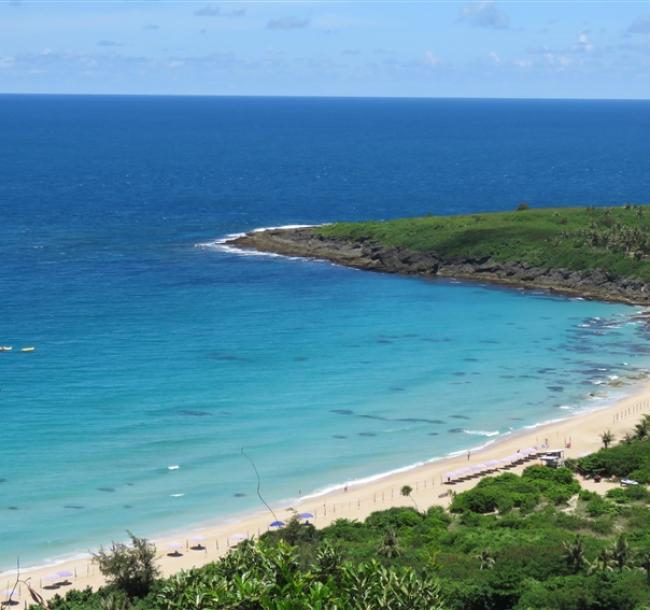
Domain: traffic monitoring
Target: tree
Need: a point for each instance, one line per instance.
(130, 568)
(621, 552)
(643, 561)
(642, 429)
(389, 546)
(574, 554)
(604, 562)
(607, 438)
(406, 491)
(486, 560)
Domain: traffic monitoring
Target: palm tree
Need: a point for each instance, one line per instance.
(389, 546)
(607, 438)
(621, 552)
(574, 554)
(643, 560)
(486, 559)
(406, 491)
(604, 562)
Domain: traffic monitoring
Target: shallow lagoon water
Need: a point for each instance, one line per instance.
(155, 353)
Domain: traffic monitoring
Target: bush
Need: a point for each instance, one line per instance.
(131, 569)
(521, 207)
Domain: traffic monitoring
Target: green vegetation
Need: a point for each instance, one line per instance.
(531, 542)
(630, 459)
(615, 240)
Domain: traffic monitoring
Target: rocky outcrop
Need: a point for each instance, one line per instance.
(372, 256)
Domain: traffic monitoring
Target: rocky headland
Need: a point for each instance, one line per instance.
(371, 255)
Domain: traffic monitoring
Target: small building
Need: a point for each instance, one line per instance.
(554, 458)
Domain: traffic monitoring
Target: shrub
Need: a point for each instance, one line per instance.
(130, 568)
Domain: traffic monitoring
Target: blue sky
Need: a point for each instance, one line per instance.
(432, 49)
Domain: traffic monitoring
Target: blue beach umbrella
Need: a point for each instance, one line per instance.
(277, 524)
(305, 516)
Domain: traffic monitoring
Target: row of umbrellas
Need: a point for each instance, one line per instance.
(176, 547)
(491, 465)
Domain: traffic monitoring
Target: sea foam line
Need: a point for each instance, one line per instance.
(221, 243)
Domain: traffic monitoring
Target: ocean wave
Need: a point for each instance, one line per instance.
(482, 432)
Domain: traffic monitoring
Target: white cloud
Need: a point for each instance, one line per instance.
(288, 23)
(432, 60)
(7, 62)
(210, 10)
(641, 25)
(584, 44)
(484, 14)
(493, 56)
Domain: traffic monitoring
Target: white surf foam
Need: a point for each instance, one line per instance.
(222, 244)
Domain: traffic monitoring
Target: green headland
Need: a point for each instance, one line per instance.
(594, 252)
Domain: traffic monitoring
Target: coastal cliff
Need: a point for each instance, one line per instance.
(356, 245)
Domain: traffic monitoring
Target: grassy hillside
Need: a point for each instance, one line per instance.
(615, 239)
(530, 542)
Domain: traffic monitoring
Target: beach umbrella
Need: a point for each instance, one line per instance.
(238, 537)
(64, 574)
(197, 542)
(305, 516)
(277, 524)
(175, 549)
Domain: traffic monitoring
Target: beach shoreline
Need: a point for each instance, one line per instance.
(356, 500)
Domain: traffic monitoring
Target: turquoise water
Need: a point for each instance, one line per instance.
(156, 349)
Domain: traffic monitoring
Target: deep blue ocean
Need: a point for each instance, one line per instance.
(155, 348)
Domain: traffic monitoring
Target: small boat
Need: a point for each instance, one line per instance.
(6, 348)
(28, 349)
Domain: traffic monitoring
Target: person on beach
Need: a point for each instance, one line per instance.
(469, 453)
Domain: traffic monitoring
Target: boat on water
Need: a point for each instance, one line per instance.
(28, 349)
(6, 348)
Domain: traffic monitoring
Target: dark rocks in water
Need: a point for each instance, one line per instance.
(195, 413)
(459, 374)
(518, 418)
(239, 494)
(3, 480)
(339, 436)
(300, 358)
(73, 506)
(507, 376)
(396, 388)
(106, 489)
(12, 508)
(433, 433)
(342, 411)
(379, 417)
(367, 434)
(419, 420)
(384, 341)
(130, 484)
(556, 388)
(470, 359)
(226, 357)
(459, 417)
(455, 430)
(127, 506)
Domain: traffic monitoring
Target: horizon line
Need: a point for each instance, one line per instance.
(310, 96)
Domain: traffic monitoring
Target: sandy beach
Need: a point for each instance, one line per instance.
(577, 435)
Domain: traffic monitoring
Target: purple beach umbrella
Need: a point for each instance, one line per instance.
(277, 524)
(305, 516)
